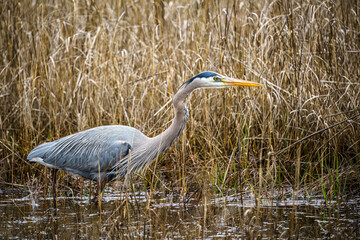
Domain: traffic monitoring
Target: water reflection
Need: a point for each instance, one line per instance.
(137, 215)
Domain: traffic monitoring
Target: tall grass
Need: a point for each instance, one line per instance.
(67, 66)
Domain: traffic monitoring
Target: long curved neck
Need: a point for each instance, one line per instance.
(164, 140)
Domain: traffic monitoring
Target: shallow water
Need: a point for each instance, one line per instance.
(169, 216)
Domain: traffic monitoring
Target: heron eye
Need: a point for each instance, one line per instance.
(216, 78)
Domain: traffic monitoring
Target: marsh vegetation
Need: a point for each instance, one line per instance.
(67, 66)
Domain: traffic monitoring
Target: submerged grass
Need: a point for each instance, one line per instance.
(67, 66)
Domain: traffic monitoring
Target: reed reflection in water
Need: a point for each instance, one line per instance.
(162, 215)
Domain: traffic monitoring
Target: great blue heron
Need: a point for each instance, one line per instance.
(103, 153)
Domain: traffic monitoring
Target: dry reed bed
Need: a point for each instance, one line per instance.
(68, 66)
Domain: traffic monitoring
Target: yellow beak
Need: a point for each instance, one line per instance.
(237, 82)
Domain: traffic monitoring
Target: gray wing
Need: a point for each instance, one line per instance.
(86, 153)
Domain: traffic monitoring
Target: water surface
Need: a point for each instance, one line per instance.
(170, 216)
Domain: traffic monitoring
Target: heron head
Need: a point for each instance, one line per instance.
(216, 80)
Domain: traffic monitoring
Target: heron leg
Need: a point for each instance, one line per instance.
(101, 186)
(98, 193)
(54, 171)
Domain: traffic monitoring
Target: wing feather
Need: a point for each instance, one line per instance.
(86, 153)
